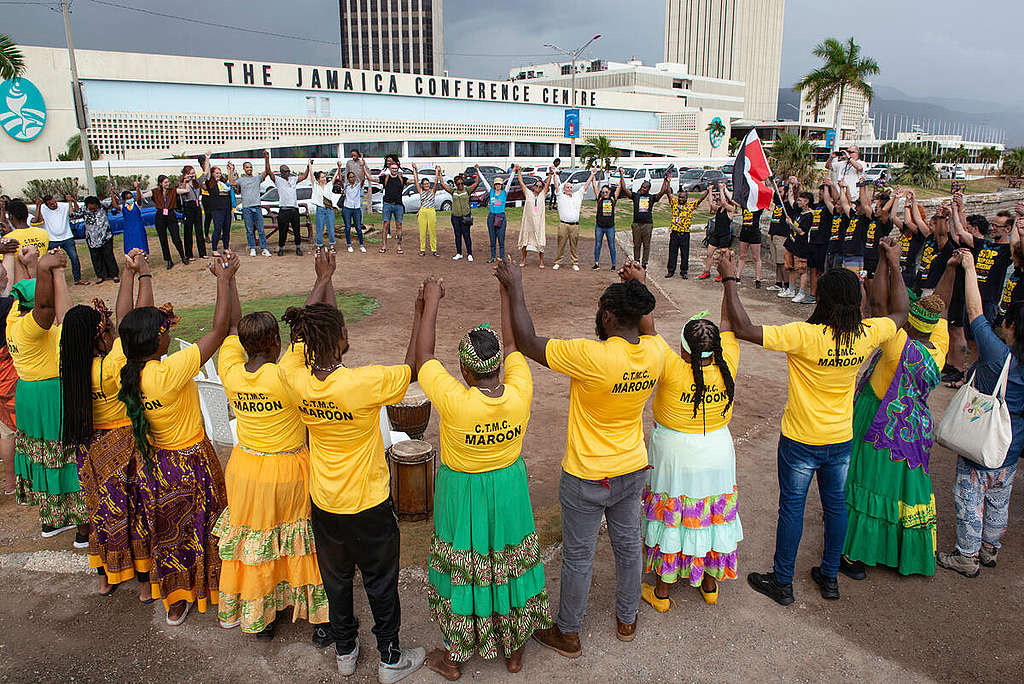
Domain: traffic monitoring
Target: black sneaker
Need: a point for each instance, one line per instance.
(855, 570)
(268, 632)
(51, 531)
(298, 251)
(684, 276)
(757, 284)
(594, 267)
(322, 635)
(280, 251)
(170, 265)
(81, 541)
(767, 584)
(829, 585)
(670, 275)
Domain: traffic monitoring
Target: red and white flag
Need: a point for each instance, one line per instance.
(749, 173)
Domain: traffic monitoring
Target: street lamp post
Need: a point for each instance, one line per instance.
(90, 181)
(573, 55)
(799, 123)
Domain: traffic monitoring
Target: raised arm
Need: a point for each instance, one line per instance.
(960, 234)
(918, 218)
(944, 289)
(508, 337)
(878, 293)
(738, 318)
(438, 178)
(590, 181)
(232, 175)
(899, 302)
(431, 294)
(666, 187)
(480, 179)
(138, 193)
(267, 171)
(527, 340)
(325, 263)
(206, 164)
(44, 311)
(621, 186)
(971, 292)
(211, 341)
(547, 183)
(126, 290)
(415, 175)
(307, 172)
(410, 352)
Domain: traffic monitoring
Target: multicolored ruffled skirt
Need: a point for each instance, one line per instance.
(486, 590)
(891, 507)
(268, 556)
(189, 494)
(691, 525)
(47, 471)
(118, 491)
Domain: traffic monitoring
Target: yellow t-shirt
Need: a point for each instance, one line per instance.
(819, 407)
(673, 398)
(682, 214)
(348, 472)
(171, 400)
(480, 432)
(107, 410)
(34, 350)
(31, 237)
(892, 350)
(268, 420)
(611, 382)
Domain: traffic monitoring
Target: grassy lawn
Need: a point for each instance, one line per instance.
(993, 184)
(195, 322)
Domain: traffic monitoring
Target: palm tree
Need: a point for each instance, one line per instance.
(791, 156)
(734, 145)
(844, 69)
(74, 151)
(1013, 163)
(892, 152)
(12, 64)
(919, 167)
(989, 156)
(599, 150)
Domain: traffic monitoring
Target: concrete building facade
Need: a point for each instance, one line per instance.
(405, 36)
(854, 121)
(736, 40)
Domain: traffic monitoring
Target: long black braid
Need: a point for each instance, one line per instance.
(319, 327)
(140, 338)
(83, 326)
(839, 306)
(702, 336)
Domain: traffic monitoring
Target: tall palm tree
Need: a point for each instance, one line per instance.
(791, 156)
(1013, 163)
(599, 150)
(12, 64)
(74, 151)
(919, 167)
(843, 69)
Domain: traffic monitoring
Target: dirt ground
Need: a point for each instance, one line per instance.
(54, 627)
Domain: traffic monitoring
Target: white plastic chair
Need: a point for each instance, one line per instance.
(387, 434)
(209, 369)
(213, 402)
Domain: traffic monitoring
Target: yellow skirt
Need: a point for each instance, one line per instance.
(266, 541)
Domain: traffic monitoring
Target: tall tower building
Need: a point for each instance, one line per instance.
(739, 40)
(393, 35)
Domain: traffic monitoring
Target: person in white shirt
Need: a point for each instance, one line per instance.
(288, 204)
(569, 205)
(324, 200)
(54, 215)
(353, 190)
(846, 166)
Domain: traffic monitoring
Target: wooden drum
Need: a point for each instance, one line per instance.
(412, 414)
(412, 478)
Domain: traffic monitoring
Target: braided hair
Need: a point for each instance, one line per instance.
(259, 333)
(140, 338)
(838, 307)
(701, 336)
(83, 326)
(628, 301)
(319, 327)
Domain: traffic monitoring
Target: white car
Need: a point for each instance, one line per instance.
(411, 199)
(655, 176)
(877, 174)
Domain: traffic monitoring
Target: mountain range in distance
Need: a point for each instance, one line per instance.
(892, 101)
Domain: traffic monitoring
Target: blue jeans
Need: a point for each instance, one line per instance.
(252, 217)
(496, 224)
(352, 217)
(798, 463)
(601, 234)
(324, 220)
(69, 248)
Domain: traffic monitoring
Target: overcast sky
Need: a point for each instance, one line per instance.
(926, 48)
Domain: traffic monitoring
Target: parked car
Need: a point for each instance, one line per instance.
(952, 172)
(579, 178)
(270, 198)
(878, 174)
(698, 180)
(727, 168)
(489, 172)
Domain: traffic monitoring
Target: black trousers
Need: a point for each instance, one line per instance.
(103, 261)
(462, 226)
(368, 540)
(678, 246)
(192, 224)
(169, 224)
(204, 235)
(287, 216)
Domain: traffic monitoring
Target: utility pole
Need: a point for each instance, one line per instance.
(76, 92)
(573, 55)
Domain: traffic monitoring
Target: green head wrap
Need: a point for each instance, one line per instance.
(25, 291)
(471, 360)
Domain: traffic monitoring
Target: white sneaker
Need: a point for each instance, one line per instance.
(469, 258)
(456, 257)
(409, 662)
(266, 252)
(773, 288)
(362, 249)
(808, 299)
(556, 267)
(799, 298)
(788, 292)
(347, 663)
(575, 267)
(350, 249)
(252, 252)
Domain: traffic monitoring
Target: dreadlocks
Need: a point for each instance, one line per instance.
(319, 327)
(838, 307)
(83, 327)
(140, 338)
(628, 302)
(702, 335)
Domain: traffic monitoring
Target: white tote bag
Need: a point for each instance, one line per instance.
(977, 425)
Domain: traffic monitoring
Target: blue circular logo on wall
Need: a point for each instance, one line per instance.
(22, 109)
(716, 135)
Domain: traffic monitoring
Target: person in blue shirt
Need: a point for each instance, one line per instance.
(497, 197)
(982, 495)
(134, 228)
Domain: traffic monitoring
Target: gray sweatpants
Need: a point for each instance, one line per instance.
(584, 503)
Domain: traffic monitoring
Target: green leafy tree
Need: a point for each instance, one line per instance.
(919, 167)
(58, 187)
(600, 151)
(12, 63)
(791, 156)
(734, 145)
(1013, 163)
(843, 69)
(892, 152)
(74, 151)
(989, 156)
(120, 183)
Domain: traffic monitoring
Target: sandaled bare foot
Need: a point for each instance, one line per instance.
(514, 663)
(383, 250)
(176, 611)
(146, 593)
(438, 661)
(105, 587)
(399, 251)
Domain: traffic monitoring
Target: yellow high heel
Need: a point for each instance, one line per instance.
(710, 597)
(659, 604)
